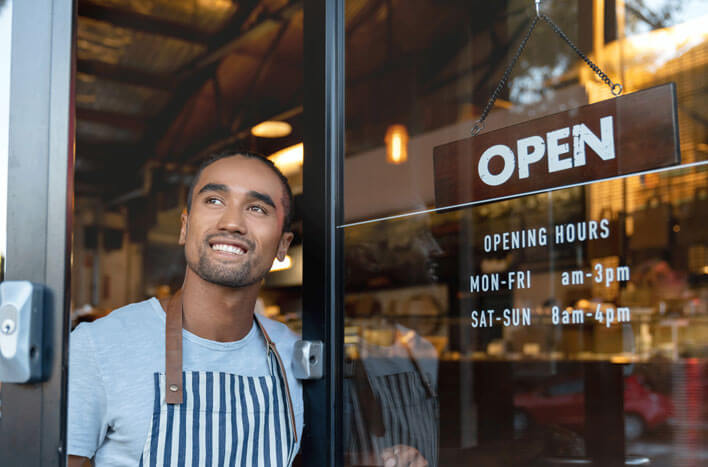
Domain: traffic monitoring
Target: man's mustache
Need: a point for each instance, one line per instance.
(235, 238)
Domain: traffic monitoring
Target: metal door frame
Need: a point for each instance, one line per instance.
(39, 207)
(40, 204)
(323, 317)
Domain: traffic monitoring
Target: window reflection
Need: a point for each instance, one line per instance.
(390, 394)
(600, 354)
(413, 275)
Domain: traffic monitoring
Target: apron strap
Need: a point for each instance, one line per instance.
(173, 350)
(271, 348)
(173, 357)
(416, 364)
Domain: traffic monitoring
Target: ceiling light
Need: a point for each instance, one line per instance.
(396, 144)
(272, 129)
(278, 265)
(288, 160)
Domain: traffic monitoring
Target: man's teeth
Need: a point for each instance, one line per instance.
(228, 248)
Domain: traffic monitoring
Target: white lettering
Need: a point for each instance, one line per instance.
(509, 164)
(556, 149)
(532, 149)
(526, 158)
(603, 146)
(516, 239)
(560, 238)
(604, 228)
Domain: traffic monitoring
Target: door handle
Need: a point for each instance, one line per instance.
(307, 359)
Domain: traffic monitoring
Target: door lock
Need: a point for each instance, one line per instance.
(21, 342)
(10, 324)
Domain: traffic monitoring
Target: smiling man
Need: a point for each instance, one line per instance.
(198, 380)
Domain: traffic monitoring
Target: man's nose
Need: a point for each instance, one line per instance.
(233, 220)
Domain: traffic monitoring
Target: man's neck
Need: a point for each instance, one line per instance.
(216, 312)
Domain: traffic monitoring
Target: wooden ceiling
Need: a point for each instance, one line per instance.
(168, 81)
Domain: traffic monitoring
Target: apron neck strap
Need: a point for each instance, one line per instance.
(173, 356)
(281, 370)
(269, 343)
(173, 350)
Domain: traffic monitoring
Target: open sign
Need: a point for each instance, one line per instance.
(532, 149)
(629, 134)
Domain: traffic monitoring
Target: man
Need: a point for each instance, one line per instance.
(197, 380)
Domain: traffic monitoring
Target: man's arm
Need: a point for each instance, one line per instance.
(76, 461)
(87, 405)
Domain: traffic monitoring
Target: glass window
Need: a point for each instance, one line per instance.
(544, 329)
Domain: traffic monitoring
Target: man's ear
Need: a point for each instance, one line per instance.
(184, 227)
(284, 244)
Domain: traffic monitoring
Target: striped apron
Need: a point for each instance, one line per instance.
(219, 419)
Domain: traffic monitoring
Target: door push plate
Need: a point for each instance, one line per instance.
(21, 342)
(307, 359)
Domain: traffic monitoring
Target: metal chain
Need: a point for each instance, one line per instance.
(615, 88)
(479, 125)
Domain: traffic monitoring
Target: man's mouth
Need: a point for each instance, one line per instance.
(230, 248)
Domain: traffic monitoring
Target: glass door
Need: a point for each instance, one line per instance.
(559, 327)
(36, 163)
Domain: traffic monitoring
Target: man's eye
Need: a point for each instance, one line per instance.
(215, 201)
(258, 209)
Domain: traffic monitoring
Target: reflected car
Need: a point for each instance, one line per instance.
(564, 404)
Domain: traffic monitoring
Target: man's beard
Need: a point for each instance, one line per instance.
(220, 274)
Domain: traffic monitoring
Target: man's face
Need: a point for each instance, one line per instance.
(234, 229)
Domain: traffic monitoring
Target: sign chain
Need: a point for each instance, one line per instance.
(479, 125)
(615, 88)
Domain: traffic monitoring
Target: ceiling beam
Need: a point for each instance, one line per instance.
(125, 74)
(263, 66)
(115, 119)
(196, 73)
(219, 141)
(232, 27)
(129, 19)
(105, 150)
(138, 77)
(231, 36)
(364, 16)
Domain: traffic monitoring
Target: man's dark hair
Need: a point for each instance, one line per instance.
(289, 204)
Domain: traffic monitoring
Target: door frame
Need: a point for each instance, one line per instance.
(322, 307)
(40, 205)
(39, 208)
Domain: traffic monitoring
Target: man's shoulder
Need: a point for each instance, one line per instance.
(121, 321)
(278, 332)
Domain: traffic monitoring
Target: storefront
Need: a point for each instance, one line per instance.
(534, 293)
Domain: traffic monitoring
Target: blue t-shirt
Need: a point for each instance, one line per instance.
(111, 384)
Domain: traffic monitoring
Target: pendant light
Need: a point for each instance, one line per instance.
(396, 144)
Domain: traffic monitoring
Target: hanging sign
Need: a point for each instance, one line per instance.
(619, 136)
